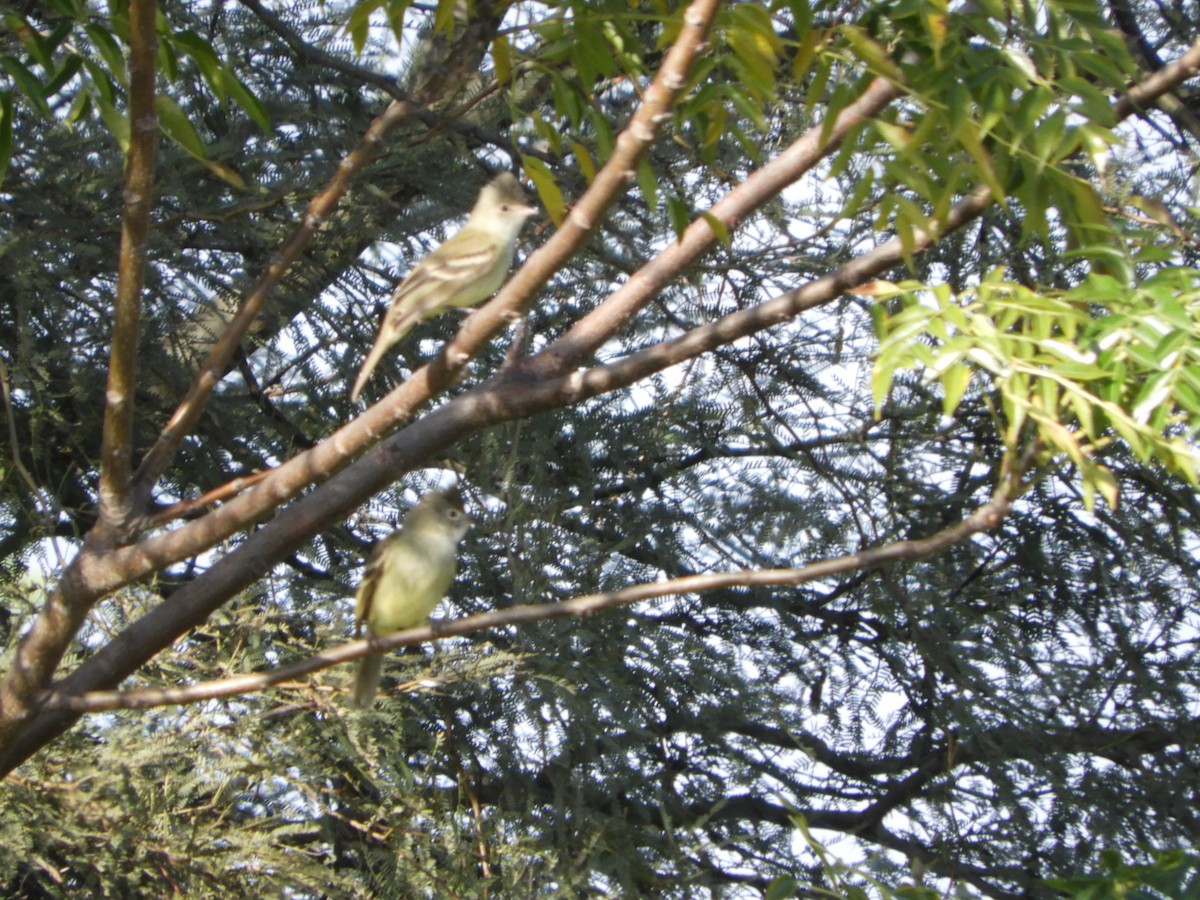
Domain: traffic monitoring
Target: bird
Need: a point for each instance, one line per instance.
(465, 269)
(406, 575)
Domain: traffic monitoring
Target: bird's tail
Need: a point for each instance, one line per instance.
(370, 669)
(381, 347)
(388, 335)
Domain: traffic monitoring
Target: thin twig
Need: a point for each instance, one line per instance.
(986, 517)
(14, 441)
(584, 219)
(223, 492)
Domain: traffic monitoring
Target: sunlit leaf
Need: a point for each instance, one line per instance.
(175, 123)
(547, 187)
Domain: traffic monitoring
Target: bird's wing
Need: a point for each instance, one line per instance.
(459, 262)
(370, 581)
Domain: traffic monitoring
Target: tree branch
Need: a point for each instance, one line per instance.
(117, 509)
(762, 186)
(583, 220)
(123, 565)
(91, 576)
(1159, 83)
(982, 519)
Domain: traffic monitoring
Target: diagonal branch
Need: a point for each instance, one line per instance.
(447, 70)
(536, 395)
(94, 571)
(1154, 86)
(116, 510)
(92, 575)
(503, 397)
(759, 188)
(383, 82)
(982, 519)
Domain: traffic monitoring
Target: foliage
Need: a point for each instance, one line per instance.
(1075, 368)
(1175, 873)
(1011, 716)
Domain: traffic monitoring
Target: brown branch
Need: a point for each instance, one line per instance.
(13, 439)
(387, 83)
(982, 519)
(41, 649)
(449, 70)
(98, 569)
(759, 188)
(1161, 82)
(521, 396)
(499, 399)
(540, 392)
(117, 510)
(231, 488)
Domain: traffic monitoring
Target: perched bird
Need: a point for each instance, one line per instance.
(407, 573)
(467, 268)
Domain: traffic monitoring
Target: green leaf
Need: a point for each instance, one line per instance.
(1102, 67)
(1154, 393)
(204, 56)
(246, 99)
(174, 122)
(751, 36)
(71, 67)
(117, 122)
(225, 173)
(591, 53)
(567, 100)
(29, 83)
(166, 59)
(816, 88)
(587, 165)
(395, 10)
(747, 107)
(543, 180)
(872, 53)
(954, 381)
(718, 228)
(64, 7)
(79, 109)
(648, 182)
(968, 136)
(443, 17)
(811, 43)
(358, 23)
(678, 215)
(110, 52)
(30, 39)
(502, 59)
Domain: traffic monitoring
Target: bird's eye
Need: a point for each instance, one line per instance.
(504, 206)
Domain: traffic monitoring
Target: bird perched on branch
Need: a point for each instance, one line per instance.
(467, 268)
(408, 572)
